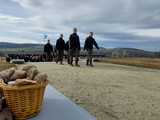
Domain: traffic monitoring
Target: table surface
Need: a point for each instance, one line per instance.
(58, 107)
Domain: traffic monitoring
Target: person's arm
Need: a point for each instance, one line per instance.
(79, 46)
(85, 45)
(44, 48)
(69, 42)
(95, 44)
(56, 45)
(64, 45)
(51, 48)
(67, 46)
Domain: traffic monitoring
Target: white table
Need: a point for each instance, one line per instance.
(57, 107)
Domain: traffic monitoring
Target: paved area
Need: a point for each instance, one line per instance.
(108, 91)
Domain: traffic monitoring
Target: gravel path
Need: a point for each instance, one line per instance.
(109, 92)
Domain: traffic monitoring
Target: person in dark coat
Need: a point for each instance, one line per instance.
(74, 47)
(48, 51)
(67, 50)
(89, 42)
(60, 47)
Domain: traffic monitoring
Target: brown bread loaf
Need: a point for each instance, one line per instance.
(41, 77)
(27, 67)
(32, 73)
(22, 82)
(5, 75)
(18, 74)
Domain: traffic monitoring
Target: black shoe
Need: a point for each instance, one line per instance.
(91, 65)
(87, 63)
(77, 65)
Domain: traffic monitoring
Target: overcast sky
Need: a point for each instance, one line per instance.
(116, 23)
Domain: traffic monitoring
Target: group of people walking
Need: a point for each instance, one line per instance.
(72, 47)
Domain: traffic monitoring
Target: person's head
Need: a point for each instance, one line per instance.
(61, 35)
(48, 41)
(91, 34)
(74, 30)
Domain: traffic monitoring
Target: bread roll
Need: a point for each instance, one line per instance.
(5, 75)
(21, 82)
(41, 77)
(32, 73)
(27, 67)
(18, 74)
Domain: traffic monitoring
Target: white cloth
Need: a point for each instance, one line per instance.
(57, 107)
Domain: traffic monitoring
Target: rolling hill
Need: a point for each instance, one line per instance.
(14, 48)
(4, 45)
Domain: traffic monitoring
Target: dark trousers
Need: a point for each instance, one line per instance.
(60, 54)
(89, 57)
(73, 53)
(49, 57)
(68, 58)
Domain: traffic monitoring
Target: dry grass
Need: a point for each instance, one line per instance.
(139, 62)
(4, 66)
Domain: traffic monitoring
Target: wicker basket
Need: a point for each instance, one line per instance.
(25, 101)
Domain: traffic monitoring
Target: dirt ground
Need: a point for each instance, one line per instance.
(108, 91)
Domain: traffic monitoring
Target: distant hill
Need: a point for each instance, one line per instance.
(4, 45)
(130, 52)
(14, 48)
(125, 52)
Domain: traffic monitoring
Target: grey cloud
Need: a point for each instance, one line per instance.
(109, 19)
(123, 37)
(134, 13)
